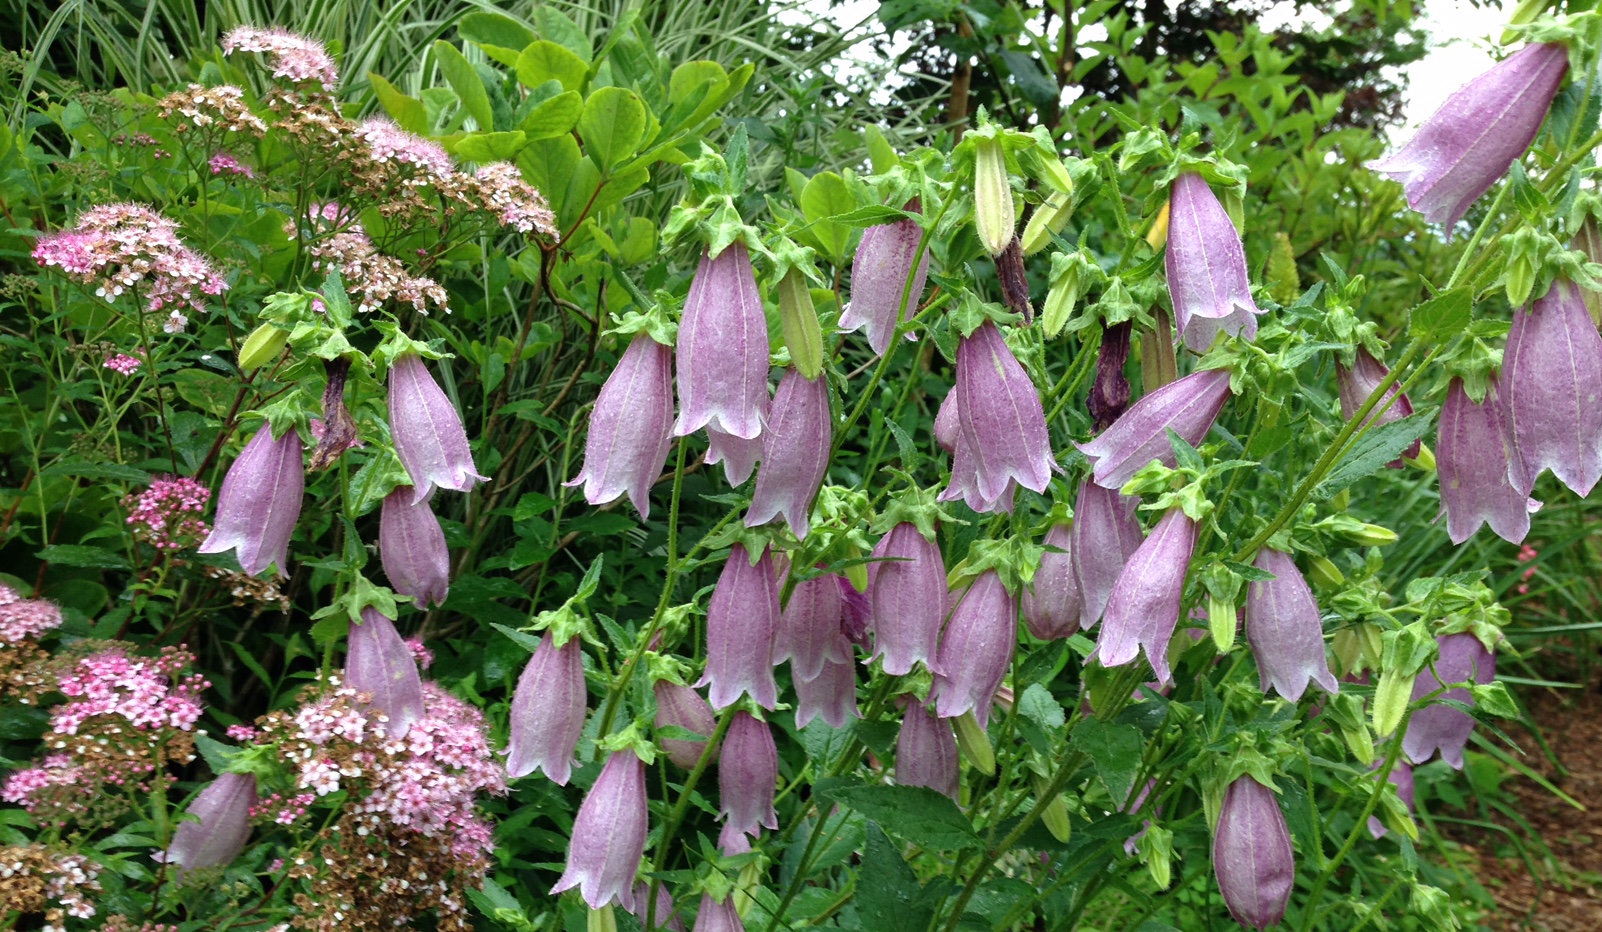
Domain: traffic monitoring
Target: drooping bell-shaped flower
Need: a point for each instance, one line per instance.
(722, 352)
(1104, 536)
(810, 633)
(879, 278)
(1252, 856)
(1206, 267)
(548, 708)
(748, 770)
(718, 917)
(738, 455)
(976, 651)
(223, 809)
(1402, 778)
(1285, 629)
(411, 547)
(1002, 423)
(946, 429)
(907, 590)
(1052, 605)
(1188, 407)
(1475, 136)
(795, 453)
(1552, 390)
(1473, 465)
(926, 752)
(1357, 381)
(666, 915)
(1438, 726)
(684, 707)
(831, 695)
(379, 664)
(259, 503)
(1144, 606)
(964, 483)
(630, 427)
(429, 438)
(856, 613)
(609, 835)
(742, 622)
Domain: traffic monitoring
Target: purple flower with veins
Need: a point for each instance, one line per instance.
(1477, 475)
(1143, 609)
(1438, 726)
(630, 427)
(748, 769)
(742, 623)
(810, 631)
(548, 709)
(1206, 267)
(1477, 134)
(976, 651)
(1252, 856)
(947, 432)
(1359, 380)
(879, 277)
(738, 455)
(1552, 390)
(428, 434)
(723, 349)
(795, 453)
(1052, 605)
(718, 917)
(379, 664)
(1105, 535)
(223, 809)
(926, 752)
(609, 835)
(907, 592)
(411, 547)
(259, 503)
(684, 707)
(1001, 420)
(831, 695)
(1286, 630)
(1188, 407)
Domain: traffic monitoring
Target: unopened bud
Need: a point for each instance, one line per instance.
(1323, 571)
(601, 920)
(1157, 236)
(1346, 711)
(1391, 696)
(802, 334)
(262, 347)
(993, 216)
(1049, 218)
(1053, 813)
(1222, 622)
(975, 744)
(1358, 647)
(1425, 459)
(1157, 850)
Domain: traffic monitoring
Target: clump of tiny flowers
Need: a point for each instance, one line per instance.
(513, 200)
(122, 363)
(282, 810)
(168, 514)
(25, 619)
(373, 277)
(116, 247)
(388, 143)
(1525, 555)
(224, 163)
(212, 108)
(291, 56)
(420, 652)
(24, 673)
(35, 879)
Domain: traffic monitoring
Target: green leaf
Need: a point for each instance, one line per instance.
(916, 813)
(824, 197)
(499, 36)
(1443, 316)
(889, 896)
(113, 472)
(1039, 706)
(557, 27)
(870, 216)
(464, 80)
(211, 392)
(484, 148)
(613, 126)
(1377, 447)
(546, 61)
(217, 754)
(408, 112)
(1115, 750)
(553, 117)
(602, 523)
(82, 555)
(529, 642)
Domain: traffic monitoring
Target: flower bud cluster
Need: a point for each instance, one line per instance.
(167, 515)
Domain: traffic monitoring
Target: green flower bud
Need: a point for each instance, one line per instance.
(993, 216)
(1053, 813)
(1425, 459)
(1049, 218)
(1157, 236)
(975, 744)
(1358, 647)
(1346, 711)
(1071, 274)
(802, 334)
(601, 920)
(1157, 850)
(1323, 572)
(262, 347)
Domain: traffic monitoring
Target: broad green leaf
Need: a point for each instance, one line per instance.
(916, 813)
(211, 392)
(490, 147)
(553, 117)
(501, 37)
(554, 25)
(84, 556)
(1038, 705)
(826, 196)
(408, 112)
(546, 61)
(613, 126)
(1443, 316)
(880, 152)
(889, 896)
(464, 80)
(116, 472)
(549, 164)
(1115, 750)
(1377, 447)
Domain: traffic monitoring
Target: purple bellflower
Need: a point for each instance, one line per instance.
(722, 351)
(381, 665)
(1476, 473)
(795, 453)
(907, 591)
(856, 613)
(1206, 267)
(946, 429)
(223, 809)
(878, 277)
(666, 917)
(411, 547)
(742, 622)
(738, 455)
(1002, 423)
(1188, 406)
(548, 708)
(1475, 136)
(1144, 606)
(630, 427)
(976, 651)
(1286, 630)
(1552, 390)
(748, 769)
(429, 438)
(1252, 856)
(684, 707)
(1052, 606)
(1105, 535)
(260, 501)
(926, 752)
(718, 917)
(831, 695)
(810, 633)
(1357, 381)
(1402, 778)
(1438, 726)
(609, 835)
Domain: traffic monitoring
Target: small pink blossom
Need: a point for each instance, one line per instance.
(23, 619)
(122, 363)
(513, 200)
(1525, 555)
(224, 163)
(292, 56)
(424, 656)
(387, 142)
(167, 515)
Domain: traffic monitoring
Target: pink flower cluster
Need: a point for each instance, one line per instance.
(374, 277)
(224, 163)
(282, 810)
(122, 363)
(149, 693)
(54, 883)
(168, 514)
(25, 619)
(116, 247)
(294, 57)
(387, 142)
(420, 652)
(513, 200)
(1525, 555)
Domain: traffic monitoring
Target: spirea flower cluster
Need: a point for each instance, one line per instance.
(25, 619)
(224, 163)
(122, 363)
(426, 161)
(515, 201)
(373, 277)
(212, 108)
(168, 514)
(291, 56)
(36, 879)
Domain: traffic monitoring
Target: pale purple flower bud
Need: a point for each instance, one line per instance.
(666, 918)
(795, 453)
(1475, 136)
(1552, 390)
(548, 708)
(722, 352)
(831, 695)
(1052, 605)
(223, 809)
(259, 503)
(1357, 381)
(1144, 606)
(428, 434)
(747, 772)
(879, 275)
(411, 547)
(1206, 267)
(718, 917)
(1473, 465)
(1252, 856)
(609, 835)
(684, 707)
(1402, 778)
(1188, 407)
(738, 455)
(1105, 535)
(1438, 726)
(907, 590)
(926, 752)
(810, 633)
(742, 622)
(630, 427)
(1002, 422)
(381, 665)
(976, 651)
(946, 429)
(1286, 630)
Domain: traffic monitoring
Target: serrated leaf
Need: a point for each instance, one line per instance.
(889, 896)
(870, 216)
(1039, 706)
(81, 555)
(1115, 751)
(1443, 316)
(916, 813)
(525, 640)
(1377, 447)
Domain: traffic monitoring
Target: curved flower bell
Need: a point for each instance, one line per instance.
(831, 695)
(879, 276)
(548, 709)
(1552, 390)
(1188, 407)
(684, 707)
(1104, 536)
(1438, 726)
(926, 752)
(1402, 778)
(428, 434)
(1143, 609)
(1052, 605)
(748, 770)
(1001, 420)
(1206, 266)
(810, 632)
(1476, 474)
(630, 427)
(722, 352)
(738, 455)
(223, 809)
(259, 503)
(946, 430)
(795, 453)
(907, 591)
(1286, 630)
(1357, 381)
(742, 622)
(608, 835)
(1252, 856)
(412, 549)
(381, 665)
(718, 917)
(1475, 136)
(977, 648)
